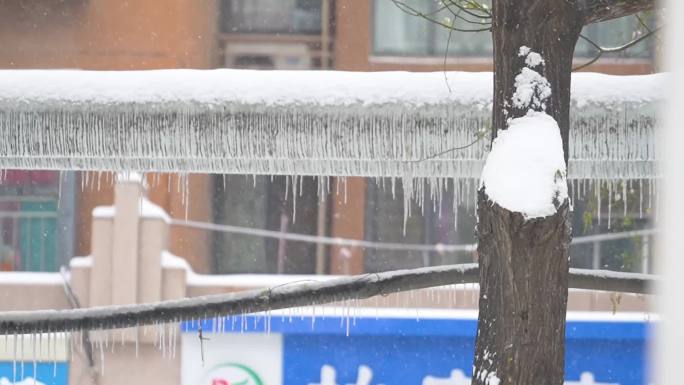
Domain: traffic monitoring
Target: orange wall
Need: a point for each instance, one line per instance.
(106, 34)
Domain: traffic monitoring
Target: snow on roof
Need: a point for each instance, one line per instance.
(243, 86)
(245, 281)
(294, 87)
(25, 381)
(81, 262)
(379, 124)
(148, 209)
(34, 278)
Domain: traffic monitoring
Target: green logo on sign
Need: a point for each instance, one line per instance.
(231, 374)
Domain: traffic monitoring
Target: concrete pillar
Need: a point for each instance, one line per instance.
(101, 272)
(129, 239)
(174, 277)
(129, 243)
(81, 270)
(154, 238)
(126, 240)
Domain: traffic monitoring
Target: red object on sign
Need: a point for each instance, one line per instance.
(217, 381)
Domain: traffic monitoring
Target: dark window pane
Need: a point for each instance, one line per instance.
(398, 33)
(264, 202)
(271, 16)
(432, 226)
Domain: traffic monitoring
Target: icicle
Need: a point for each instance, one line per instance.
(347, 308)
(102, 359)
(53, 353)
(186, 195)
(641, 198)
(23, 355)
(14, 359)
(294, 198)
(35, 356)
(175, 327)
(597, 187)
(136, 334)
(313, 315)
(268, 321)
(346, 190)
(610, 201)
(624, 199)
(71, 346)
(171, 342)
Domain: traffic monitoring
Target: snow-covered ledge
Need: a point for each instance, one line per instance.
(303, 122)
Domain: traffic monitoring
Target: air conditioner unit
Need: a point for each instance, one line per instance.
(267, 55)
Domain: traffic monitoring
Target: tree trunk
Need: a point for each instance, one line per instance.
(524, 263)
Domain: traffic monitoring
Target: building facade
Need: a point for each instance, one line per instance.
(345, 35)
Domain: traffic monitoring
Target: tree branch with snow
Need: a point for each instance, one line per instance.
(286, 296)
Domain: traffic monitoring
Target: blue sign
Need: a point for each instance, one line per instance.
(435, 350)
(48, 373)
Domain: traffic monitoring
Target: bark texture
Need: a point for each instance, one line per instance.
(523, 301)
(524, 263)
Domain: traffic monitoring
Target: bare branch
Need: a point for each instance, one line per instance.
(645, 26)
(594, 11)
(471, 7)
(414, 12)
(458, 16)
(461, 9)
(603, 50)
(606, 280)
(642, 23)
(446, 54)
(479, 137)
(285, 296)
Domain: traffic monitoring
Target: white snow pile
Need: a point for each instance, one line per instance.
(278, 88)
(246, 87)
(26, 381)
(531, 88)
(525, 171)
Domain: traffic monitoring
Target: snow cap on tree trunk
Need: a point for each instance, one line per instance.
(525, 171)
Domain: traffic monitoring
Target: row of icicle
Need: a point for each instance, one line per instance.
(30, 349)
(381, 142)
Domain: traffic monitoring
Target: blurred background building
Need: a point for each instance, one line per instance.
(45, 216)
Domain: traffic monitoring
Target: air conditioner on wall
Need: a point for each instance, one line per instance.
(267, 55)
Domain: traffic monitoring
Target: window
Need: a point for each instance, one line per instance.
(384, 222)
(264, 202)
(271, 16)
(397, 33)
(36, 220)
